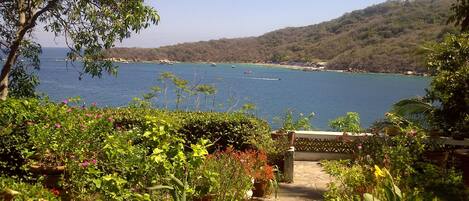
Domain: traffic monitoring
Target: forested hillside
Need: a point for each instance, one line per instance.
(387, 37)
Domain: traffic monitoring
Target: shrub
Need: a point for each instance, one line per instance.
(225, 129)
(226, 175)
(119, 153)
(15, 190)
(14, 138)
(347, 123)
(401, 157)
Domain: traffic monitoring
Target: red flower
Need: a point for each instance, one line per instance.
(55, 191)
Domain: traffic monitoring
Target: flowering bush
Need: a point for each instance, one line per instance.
(120, 153)
(226, 175)
(11, 189)
(401, 155)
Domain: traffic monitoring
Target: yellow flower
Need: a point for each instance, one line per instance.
(378, 172)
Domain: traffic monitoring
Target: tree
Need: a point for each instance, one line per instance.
(449, 63)
(89, 26)
(460, 17)
(205, 89)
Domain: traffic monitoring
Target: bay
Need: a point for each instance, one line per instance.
(272, 90)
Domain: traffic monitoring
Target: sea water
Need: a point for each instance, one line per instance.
(272, 90)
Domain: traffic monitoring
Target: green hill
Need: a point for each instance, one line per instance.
(387, 37)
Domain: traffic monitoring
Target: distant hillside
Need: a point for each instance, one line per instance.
(382, 38)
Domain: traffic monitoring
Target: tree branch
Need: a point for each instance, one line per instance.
(15, 45)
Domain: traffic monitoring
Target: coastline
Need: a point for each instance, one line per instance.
(273, 65)
(294, 67)
(301, 68)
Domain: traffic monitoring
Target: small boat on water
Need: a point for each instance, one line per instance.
(213, 64)
(263, 78)
(233, 66)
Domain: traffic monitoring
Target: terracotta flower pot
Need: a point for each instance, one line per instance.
(52, 174)
(260, 188)
(463, 155)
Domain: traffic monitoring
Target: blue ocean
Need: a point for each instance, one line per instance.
(272, 90)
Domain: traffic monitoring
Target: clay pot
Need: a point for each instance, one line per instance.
(260, 188)
(463, 156)
(52, 174)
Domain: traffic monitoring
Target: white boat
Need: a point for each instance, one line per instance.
(213, 64)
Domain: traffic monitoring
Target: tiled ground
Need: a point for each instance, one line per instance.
(310, 182)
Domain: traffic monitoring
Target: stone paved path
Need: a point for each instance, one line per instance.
(310, 182)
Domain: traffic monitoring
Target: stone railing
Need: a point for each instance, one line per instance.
(324, 141)
(334, 142)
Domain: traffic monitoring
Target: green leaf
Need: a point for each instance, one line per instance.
(369, 197)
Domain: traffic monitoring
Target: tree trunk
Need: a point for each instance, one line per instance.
(6, 74)
(12, 55)
(24, 26)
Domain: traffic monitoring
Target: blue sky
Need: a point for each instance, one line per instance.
(196, 20)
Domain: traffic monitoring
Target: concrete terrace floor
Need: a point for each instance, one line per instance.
(309, 183)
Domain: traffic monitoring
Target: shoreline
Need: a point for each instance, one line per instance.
(283, 66)
(301, 68)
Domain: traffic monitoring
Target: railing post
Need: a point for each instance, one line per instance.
(289, 165)
(291, 138)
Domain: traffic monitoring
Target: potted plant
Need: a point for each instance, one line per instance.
(263, 178)
(289, 124)
(52, 174)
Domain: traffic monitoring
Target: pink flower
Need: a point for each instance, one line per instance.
(359, 147)
(93, 104)
(57, 125)
(85, 164)
(88, 115)
(65, 101)
(110, 119)
(98, 116)
(94, 161)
